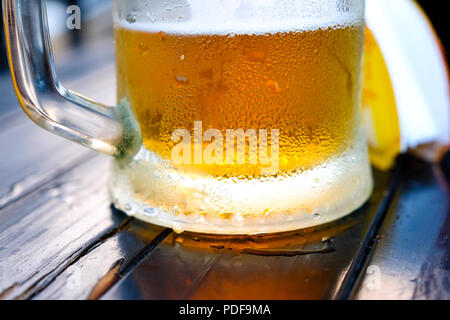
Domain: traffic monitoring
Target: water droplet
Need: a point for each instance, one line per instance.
(181, 79)
(151, 17)
(67, 200)
(150, 211)
(16, 189)
(178, 239)
(53, 192)
(142, 49)
(201, 220)
(237, 264)
(238, 220)
(273, 86)
(182, 57)
(316, 216)
(128, 207)
(327, 239)
(131, 18)
(226, 215)
(177, 228)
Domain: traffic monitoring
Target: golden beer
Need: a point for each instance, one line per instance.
(290, 95)
(304, 83)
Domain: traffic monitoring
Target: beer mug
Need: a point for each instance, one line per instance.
(233, 117)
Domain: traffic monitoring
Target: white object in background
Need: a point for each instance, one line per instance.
(417, 68)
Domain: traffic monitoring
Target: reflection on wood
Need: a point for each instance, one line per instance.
(94, 272)
(195, 266)
(48, 229)
(411, 258)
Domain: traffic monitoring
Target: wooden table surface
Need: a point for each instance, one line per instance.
(60, 238)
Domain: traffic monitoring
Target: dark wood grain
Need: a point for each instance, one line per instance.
(98, 269)
(411, 259)
(193, 266)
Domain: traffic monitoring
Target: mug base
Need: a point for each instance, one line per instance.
(150, 190)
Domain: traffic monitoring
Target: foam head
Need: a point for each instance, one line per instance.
(237, 16)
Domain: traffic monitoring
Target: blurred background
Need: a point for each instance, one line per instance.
(77, 52)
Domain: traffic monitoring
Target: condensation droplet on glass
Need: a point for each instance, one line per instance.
(128, 207)
(142, 49)
(181, 79)
(177, 228)
(131, 18)
(151, 17)
(201, 220)
(316, 216)
(272, 85)
(238, 220)
(150, 211)
(182, 57)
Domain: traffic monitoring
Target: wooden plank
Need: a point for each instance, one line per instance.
(89, 276)
(193, 266)
(46, 231)
(31, 156)
(412, 254)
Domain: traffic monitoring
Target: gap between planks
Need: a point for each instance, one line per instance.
(345, 289)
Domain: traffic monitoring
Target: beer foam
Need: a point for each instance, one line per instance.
(243, 17)
(192, 28)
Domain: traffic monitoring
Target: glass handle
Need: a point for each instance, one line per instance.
(109, 130)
